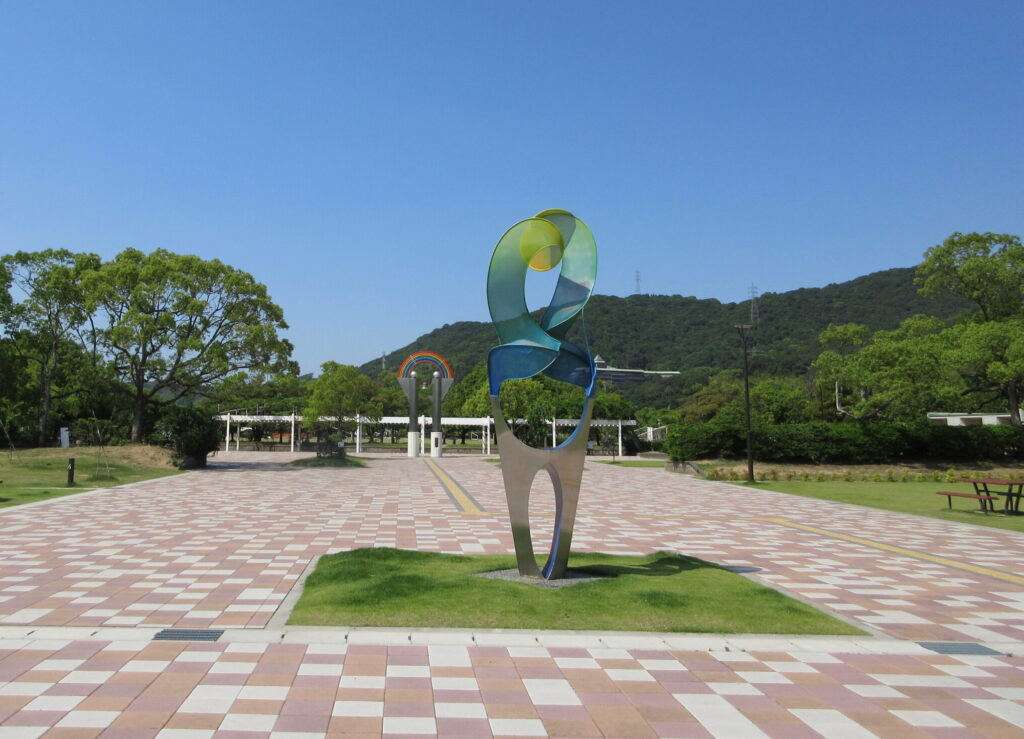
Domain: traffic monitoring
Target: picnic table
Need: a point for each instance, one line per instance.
(989, 486)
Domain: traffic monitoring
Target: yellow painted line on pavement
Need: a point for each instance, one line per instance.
(900, 550)
(462, 500)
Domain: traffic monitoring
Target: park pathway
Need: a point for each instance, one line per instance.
(87, 580)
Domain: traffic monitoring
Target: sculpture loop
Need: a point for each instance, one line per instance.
(551, 238)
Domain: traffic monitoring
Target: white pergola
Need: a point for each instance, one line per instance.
(485, 425)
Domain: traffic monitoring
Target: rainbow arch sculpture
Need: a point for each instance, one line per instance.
(549, 239)
(442, 383)
(440, 363)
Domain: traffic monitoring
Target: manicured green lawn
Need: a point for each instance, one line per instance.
(40, 474)
(906, 497)
(659, 592)
(635, 463)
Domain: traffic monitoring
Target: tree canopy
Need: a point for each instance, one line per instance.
(341, 393)
(173, 323)
(985, 268)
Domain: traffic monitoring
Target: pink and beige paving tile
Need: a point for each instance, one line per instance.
(269, 690)
(223, 547)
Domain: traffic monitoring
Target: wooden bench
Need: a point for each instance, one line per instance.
(980, 498)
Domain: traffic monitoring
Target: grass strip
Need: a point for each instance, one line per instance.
(31, 475)
(918, 498)
(345, 461)
(658, 464)
(659, 592)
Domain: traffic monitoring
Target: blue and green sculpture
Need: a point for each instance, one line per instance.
(549, 239)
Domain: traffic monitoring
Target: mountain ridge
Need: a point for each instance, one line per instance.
(696, 336)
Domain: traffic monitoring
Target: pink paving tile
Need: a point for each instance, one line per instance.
(179, 528)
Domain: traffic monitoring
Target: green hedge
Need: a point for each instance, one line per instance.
(848, 443)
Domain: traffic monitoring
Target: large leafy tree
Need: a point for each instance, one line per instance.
(45, 325)
(171, 323)
(990, 357)
(341, 393)
(985, 268)
(988, 269)
(899, 375)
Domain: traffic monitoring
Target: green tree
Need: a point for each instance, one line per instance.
(193, 432)
(985, 268)
(45, 325)
(989, 355)
(903, 374)
(780, 400)
(721, 390)
(463, 388)
(173, 323)
(341, 393)
(833, 368)
(274, 393)
(613, 406)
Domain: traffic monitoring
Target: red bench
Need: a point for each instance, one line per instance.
(980, 498)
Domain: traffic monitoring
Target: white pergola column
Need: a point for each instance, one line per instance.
(292, 436)
(227, 435)
(620, 437)
(359, 434)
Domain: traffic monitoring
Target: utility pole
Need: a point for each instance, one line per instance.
(742, 328)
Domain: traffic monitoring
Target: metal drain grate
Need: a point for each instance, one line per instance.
(958, 647)
(188, 635)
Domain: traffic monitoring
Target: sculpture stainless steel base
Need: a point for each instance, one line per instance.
(519, 466)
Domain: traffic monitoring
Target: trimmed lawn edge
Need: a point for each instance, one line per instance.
(662, 592)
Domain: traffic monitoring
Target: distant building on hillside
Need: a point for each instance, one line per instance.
(618, 374)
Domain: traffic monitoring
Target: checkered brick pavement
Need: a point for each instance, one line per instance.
(191, 690)
(223, 548)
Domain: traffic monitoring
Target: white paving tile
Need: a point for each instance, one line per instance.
(551, 692)
(518, 727)
(832, 724)
(718, 716)
(358, 708)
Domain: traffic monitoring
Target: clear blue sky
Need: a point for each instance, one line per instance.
(362, 158)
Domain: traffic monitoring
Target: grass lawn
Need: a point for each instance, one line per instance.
(659, 464)
(906, 497)
(40, 474)
(345, 461)
(659, 592)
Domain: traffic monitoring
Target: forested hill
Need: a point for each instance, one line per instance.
(697, 336)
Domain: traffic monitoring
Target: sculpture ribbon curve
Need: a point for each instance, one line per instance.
(549, 239)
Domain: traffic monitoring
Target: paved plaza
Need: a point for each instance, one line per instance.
(86, 581)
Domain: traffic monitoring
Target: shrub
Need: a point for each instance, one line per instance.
(192, 432)
(848, 443)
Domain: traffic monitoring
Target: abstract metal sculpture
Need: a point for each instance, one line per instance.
(529, 348)
(442, 384)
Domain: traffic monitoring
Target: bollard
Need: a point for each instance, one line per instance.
(71, 471)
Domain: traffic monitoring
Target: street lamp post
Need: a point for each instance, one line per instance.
(742, 328)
